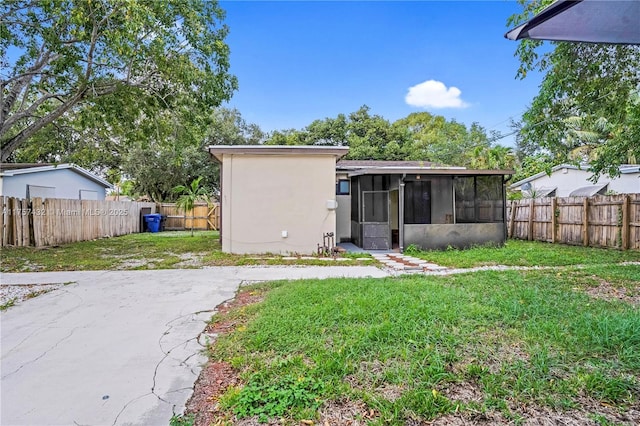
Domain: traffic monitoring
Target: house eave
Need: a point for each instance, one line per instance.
(449, 171)
(218, 151)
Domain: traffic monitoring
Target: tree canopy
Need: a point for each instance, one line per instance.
(83, 66)
(419, 136)
(587, 108)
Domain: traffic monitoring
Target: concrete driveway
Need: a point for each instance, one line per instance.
(117, 348)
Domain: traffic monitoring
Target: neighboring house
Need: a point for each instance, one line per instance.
(66, 181)
(568, 180)
(282, 199)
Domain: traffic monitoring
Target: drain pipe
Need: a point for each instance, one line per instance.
(401, 213)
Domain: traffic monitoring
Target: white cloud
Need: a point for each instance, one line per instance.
(434, 94)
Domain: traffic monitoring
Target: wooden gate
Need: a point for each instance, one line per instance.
(204, 217)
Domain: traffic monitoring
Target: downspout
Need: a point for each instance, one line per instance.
(401, 213)
(230, 195)
(221, 174)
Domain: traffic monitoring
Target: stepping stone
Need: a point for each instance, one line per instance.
(435, 267)
(379, 256)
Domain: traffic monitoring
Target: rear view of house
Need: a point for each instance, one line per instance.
(283, 199)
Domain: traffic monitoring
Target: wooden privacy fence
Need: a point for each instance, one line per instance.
(600, 221)
(38, 222)
(203, 217)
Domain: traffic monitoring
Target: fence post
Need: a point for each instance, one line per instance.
(626, 219)
(512, 218)
(585, 222)
(531, 206)
(14, 222)
(4, 222)
(554, 220)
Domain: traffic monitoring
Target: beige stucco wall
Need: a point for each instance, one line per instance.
(264, 195)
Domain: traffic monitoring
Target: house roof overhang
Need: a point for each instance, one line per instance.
(15, 169)
(218, 151)
(424, 171)
(588, 191)
(591, 21)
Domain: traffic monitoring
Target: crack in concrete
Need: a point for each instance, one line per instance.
(43, 354)
(69, 310)
(167, 353)
(37, 330)
(131, 401)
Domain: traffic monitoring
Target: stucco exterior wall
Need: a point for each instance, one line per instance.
(264, 196)
(568, 180)
(459, 235)
(64, 183)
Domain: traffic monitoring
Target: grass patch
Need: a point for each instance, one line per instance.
(416, 348)
(162, 250)
(6, 305)
(527, 253)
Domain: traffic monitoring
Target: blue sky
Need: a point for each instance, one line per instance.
(297, 61)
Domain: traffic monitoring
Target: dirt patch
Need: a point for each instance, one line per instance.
(216, 377)
(464, 392)
(466, 419)
(134, 263)
(606, 291)
(346, 412)
(223, 322)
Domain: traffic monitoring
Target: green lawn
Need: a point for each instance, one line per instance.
(160, 250)
(527, 253)
(492, 346)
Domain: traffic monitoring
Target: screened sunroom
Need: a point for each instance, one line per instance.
(431, 208)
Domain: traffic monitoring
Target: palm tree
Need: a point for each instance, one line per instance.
(189, 196)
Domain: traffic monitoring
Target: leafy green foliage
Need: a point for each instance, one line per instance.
(180, 420)
(419, 136)
(284, 395)
(587, 107)
(6, 305)
(190, 195)
(78, 65)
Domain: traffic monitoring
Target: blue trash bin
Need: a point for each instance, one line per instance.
(153, 222)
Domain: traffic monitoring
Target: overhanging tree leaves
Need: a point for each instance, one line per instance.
(65, 55)
(587, 100)
(419, 136)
